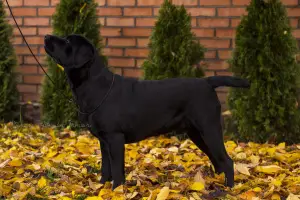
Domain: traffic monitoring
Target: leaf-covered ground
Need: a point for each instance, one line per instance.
(42, 163)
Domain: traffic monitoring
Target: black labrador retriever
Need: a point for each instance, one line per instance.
(122, 110)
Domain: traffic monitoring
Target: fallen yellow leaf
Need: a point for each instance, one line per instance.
(163, 194)
(271, 169)
(197, 186)
(42, 182)
(16, 162)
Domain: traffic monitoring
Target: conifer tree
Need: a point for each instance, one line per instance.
(173, 49)
(265, 55)
(9, 95)
(70, 17)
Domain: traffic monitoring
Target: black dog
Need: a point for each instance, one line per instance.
(126, 110)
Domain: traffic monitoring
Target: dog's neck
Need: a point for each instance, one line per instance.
(98, 82)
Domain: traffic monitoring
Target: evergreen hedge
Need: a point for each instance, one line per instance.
(265, 55)
(173, 49)
(9, 95)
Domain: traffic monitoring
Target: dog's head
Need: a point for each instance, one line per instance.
(73, 51)
(74, 54)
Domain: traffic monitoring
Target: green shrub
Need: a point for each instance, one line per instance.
(9, 95)
(173, 50)
(77, 17)
(265, 55)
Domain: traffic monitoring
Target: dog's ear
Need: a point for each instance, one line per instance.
(83, 53)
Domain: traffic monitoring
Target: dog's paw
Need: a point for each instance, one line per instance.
(117, 184)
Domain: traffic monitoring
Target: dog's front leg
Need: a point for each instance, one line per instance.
(116, 142)
(105, 166)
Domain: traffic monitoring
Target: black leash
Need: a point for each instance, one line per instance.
(70, 100)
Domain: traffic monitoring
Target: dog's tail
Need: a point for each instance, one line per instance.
(217, 81)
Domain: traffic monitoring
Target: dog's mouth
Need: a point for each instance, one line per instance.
(49, 48)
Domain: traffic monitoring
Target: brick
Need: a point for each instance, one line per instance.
(139, 62)
(224, 54)
(200, 32)
(145, 21)
(34, 21)
(54, 2)
(15, 3)
(17, 40)
(293, 12)
(35, 40)
(214, 2)
(241, 2)
(215, 43)
(20, 12)
(201, 11)
(31, 60)
(26, 31)
(211, 54)
(27, 69)
(213, 22)
(137, 11)
(36, 2)
(27, 88)
(101, 2)
(34, 79)
(114, 21)
(194, 22)
(112, 52)
(294, 23)
(121, 62)
(217, 65)
(20, 59)
(109, 12)
(137, 52)
(137, 32)
(44, 30)
(12, 22)
(296, 33)
(121, 2)
(46, 11)
(290, 2)
(40, 70)
(30, 97)
(142, 42)
(24, 50)
(209, 73)
(42, 50)
(226, 33)
(123, 42)
(185, 2)
(135, 73)
(110, 31)
(235, 22)
(226, 12)
(149, 2)
(224, 73)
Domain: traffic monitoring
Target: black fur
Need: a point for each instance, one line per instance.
(137, 109)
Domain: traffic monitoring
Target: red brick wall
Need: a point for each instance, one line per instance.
(126, 27)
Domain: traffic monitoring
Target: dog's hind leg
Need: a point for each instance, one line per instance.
(210, 130)
(195, 136)
(105, 166)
